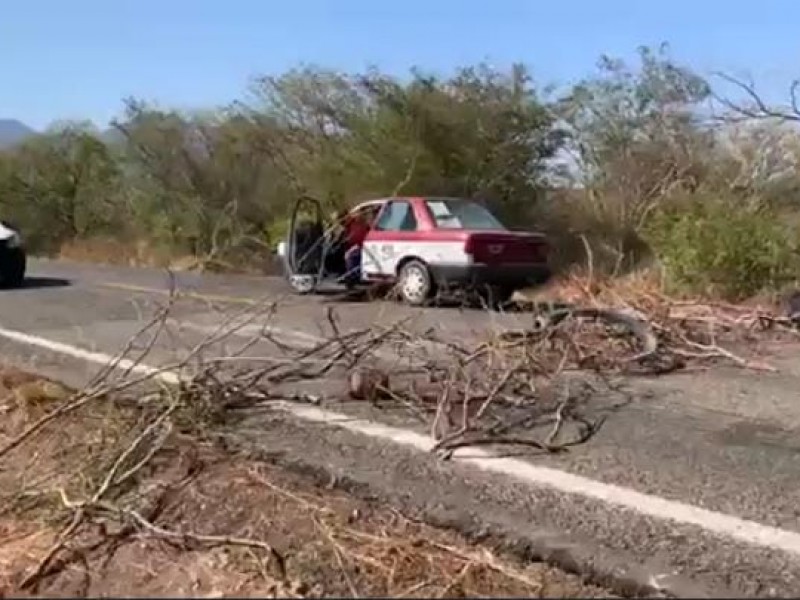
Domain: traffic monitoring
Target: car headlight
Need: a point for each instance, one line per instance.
(14, 241)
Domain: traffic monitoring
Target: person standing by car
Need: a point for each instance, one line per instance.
(356, 229)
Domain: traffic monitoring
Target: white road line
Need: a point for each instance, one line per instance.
(649, 505)
(169, 377)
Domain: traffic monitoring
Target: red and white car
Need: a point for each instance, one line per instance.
(425, 245)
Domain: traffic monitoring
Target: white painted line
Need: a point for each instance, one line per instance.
(649, 505)
(653, 506)
(169, 377)
(296, 334)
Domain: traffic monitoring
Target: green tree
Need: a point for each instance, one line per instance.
(60, 186)
(201, 184)
(478, 133)
(637, 136)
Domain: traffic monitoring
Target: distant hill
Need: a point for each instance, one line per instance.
(13, 132)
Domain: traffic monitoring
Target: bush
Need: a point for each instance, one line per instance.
(711, 247)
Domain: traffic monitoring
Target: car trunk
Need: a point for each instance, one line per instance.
(503, 247)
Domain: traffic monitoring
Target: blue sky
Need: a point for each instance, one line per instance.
(78, 58)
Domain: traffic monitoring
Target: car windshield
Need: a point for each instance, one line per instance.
(462, 214)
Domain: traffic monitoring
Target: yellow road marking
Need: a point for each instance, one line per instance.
(181, 293)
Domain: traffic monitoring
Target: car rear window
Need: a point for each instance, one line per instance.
(462, 214)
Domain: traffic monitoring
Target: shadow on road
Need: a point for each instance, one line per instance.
(363, 295)
(475, 303)
(32, 283)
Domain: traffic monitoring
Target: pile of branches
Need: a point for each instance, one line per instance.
(681, 333)
(525, 387)
(553, 365)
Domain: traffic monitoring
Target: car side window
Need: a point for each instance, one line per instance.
(397, 216)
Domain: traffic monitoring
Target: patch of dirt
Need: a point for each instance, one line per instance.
(112, 251)
(140, 253)
(215, 524)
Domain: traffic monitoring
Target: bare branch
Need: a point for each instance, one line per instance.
(757, 108)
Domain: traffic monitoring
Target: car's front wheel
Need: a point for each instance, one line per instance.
(12, 270)
(300, 283)
(414, 283)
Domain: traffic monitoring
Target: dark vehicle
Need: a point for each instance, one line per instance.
(13, 259)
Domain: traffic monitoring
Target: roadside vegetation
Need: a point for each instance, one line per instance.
(639, 167)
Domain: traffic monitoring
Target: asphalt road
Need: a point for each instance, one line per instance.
(694, 485)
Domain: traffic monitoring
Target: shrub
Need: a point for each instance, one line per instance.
(713, 247)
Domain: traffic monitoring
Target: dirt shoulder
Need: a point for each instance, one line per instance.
(101, 502)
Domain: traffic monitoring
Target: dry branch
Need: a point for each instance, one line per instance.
(756, 107)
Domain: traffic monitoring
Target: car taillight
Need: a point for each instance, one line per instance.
(469, 246)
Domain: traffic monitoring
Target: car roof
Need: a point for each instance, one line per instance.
(371, 202)
(411, 198)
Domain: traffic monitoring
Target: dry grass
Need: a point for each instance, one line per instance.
(117, 252)
(141, 253)
(582, 287)
(326, 542)
(699, 332)
(641, 287)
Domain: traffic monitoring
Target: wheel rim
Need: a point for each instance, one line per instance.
(302, 283)
(414, 284)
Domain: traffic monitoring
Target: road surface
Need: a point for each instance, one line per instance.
(693, 486)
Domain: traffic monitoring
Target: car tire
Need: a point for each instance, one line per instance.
(301, 285)
(13, 272)
(414, 283)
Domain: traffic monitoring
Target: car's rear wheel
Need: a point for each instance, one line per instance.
(414, 283)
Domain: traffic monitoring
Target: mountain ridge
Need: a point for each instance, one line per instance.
(13, 132)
